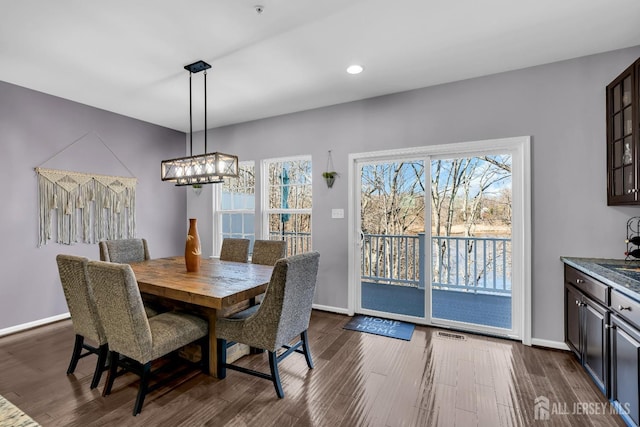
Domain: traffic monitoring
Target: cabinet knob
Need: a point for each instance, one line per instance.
(578, 303)
(609, 327)
(579, 281)
(632, 190)
(621, 308)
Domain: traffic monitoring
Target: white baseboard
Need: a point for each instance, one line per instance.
(36, 323)
(558, 345)
(63, 316)
(338, 310)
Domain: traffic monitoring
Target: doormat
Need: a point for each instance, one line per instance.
(378, 326)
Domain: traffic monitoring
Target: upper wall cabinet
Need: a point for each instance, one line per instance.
(623, 138)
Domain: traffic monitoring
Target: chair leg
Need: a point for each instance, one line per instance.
(305, 347)
(103, 351)
(114, 358)
(75, 356)
(204, 358)
(222, 358)
(142, 390)
(275, 375)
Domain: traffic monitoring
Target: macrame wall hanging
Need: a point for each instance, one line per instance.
(84, 207)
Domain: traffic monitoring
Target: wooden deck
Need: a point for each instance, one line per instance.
(481, 309)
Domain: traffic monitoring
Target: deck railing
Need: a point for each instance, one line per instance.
(472, 264)
(296, 242)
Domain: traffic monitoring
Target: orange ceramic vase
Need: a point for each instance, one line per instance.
(192, 250)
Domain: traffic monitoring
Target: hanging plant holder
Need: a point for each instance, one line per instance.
(329, 175)
(330, 178)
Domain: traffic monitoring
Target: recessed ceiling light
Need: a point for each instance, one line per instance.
(354, 69)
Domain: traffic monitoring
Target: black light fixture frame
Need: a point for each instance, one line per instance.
(230, 162)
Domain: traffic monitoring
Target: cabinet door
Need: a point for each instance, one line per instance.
(572, 324)
(594, 342)
(622, 139)
(625, 368)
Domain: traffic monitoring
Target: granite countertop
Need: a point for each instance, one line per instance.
(620, 274)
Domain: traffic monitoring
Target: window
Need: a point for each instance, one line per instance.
(236, 206)
(287, 202)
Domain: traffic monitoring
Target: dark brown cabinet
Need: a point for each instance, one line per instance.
(623, 138)
(595, 345)
(586, 333)
(625, 369)
(572, 321)
(602, 327)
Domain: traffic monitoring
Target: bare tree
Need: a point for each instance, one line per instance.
(465, 184)
(392, 204)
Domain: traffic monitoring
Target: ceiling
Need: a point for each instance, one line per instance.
(128, 56)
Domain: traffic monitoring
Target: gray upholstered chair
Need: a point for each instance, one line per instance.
(84, 315)
(235, 250)
(134, 340)
(267, 252)
(283, 315)
(124, 250)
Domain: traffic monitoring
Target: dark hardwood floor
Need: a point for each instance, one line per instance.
(359, 380)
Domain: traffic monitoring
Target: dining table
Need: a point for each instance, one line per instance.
(218, 288)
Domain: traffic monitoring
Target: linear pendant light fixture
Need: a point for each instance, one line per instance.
(207, 168)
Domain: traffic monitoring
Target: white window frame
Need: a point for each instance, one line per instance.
(264, 191)
(218, 211)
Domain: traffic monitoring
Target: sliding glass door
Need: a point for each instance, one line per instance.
(392, 209)
(439, 236)
(471, 241)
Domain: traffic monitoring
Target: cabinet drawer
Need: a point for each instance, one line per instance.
(626, 307)
(587, 284)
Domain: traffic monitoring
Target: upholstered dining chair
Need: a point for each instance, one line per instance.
(84, 315)
(235, 250)
(267, 252)
(283, 315)
(135, 341)
(124, 250)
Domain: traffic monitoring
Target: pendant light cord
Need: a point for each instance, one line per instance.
(190, 118)
(205, 111)
(191, 115)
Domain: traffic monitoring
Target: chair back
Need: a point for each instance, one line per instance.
(80, 297)
(235, 250)
(286, 308)
(124, 250)
(267, 252)
(120, 309)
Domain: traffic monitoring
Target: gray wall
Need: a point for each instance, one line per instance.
(561, 106)
(33, 128)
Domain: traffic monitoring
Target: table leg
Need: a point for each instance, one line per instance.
(213, 344)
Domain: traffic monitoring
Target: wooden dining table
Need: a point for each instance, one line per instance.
(218, 289)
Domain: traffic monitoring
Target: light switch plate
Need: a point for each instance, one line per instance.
(337, 213)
